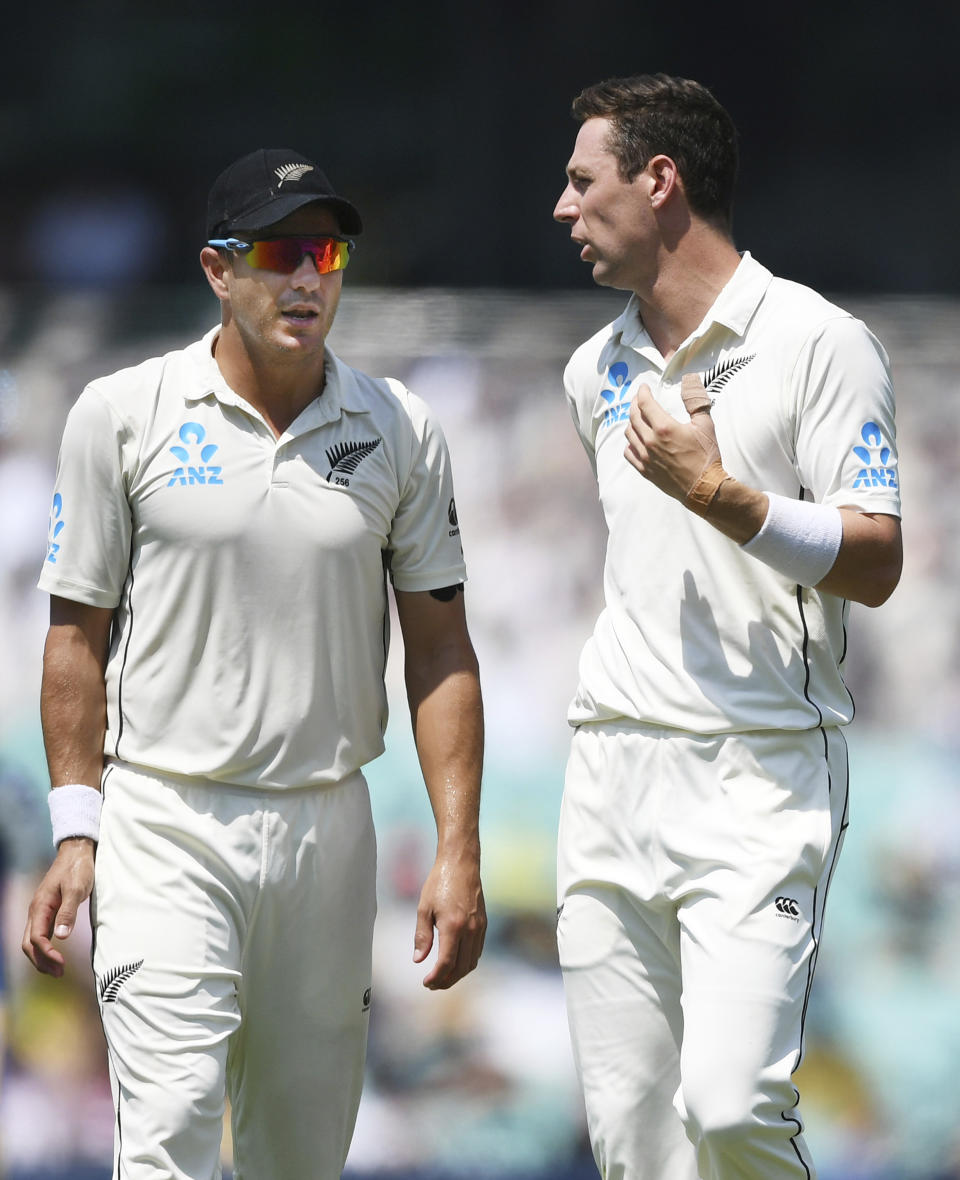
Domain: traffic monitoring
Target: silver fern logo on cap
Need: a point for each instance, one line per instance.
(291, 172)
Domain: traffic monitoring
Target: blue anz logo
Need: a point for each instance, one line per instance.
(879, 462)
(192, 435)
(616, 395)
(55, 529)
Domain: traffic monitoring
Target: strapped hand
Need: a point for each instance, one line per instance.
(682, 459)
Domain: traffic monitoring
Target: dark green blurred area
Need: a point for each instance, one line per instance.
(448, 124)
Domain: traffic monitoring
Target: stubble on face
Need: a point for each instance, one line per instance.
(285, 318)
(609, 218)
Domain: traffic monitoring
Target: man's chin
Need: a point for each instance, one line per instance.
(307, 337)
(605, 276)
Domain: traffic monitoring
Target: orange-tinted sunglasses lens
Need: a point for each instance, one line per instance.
(285, 254)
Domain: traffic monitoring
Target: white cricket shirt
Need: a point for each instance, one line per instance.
(248, 572)
(695, 633)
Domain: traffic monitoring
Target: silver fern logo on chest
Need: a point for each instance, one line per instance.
(346, 457)
(716, 378)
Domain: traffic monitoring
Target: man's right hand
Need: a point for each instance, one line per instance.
(53, 910)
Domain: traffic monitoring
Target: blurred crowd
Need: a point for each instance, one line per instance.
(479, 1081)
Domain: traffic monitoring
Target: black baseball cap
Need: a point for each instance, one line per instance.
(265, 186)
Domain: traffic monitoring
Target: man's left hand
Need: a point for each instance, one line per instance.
(452, 901)
(680, 458)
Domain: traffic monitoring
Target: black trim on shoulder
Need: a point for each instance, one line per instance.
(447, 593)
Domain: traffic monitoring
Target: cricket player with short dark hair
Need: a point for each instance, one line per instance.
(225, 521)
(741, 429)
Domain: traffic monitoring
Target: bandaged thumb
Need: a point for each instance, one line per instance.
(700, 496)
(694, 395)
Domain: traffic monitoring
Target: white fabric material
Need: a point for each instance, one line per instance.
(695, 633)
(693, 873)
(248, 572)
(798, 539)
(233, 957)
(74, 811)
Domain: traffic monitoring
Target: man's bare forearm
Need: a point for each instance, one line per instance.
(73, 708)
(443, 690)
(448, 730)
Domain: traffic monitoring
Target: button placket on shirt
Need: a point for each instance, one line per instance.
(282, 459)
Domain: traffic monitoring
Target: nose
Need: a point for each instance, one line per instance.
(306, 275)
(566, 209)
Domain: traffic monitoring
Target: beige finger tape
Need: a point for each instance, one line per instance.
(695, 397)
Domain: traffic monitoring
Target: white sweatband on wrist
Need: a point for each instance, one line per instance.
(798, 539)
(75, 811)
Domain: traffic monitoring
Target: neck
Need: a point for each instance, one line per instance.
(686, 284)
(279, 387)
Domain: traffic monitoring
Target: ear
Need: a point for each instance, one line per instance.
(665, 177)
(215, 267)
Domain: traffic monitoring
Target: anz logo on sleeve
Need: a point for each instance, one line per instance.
(195, 455)
(616, 395)
(55, 529)
(879, 462)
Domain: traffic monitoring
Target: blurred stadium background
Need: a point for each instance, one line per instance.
(449, 129)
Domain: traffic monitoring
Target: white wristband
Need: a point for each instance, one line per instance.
(75, 811)
(798, 539)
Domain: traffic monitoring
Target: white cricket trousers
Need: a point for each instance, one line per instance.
(232, 954)
(693, 873)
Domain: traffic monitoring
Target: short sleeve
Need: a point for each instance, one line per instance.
(88, 550)
(425, 552)
(846, 433)
(583, 424)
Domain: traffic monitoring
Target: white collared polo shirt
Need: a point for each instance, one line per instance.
(695, 633)
(247, 572)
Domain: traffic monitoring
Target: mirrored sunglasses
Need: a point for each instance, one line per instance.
(328, 252)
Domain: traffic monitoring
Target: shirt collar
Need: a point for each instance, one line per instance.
(340, 390)
(733, 308)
